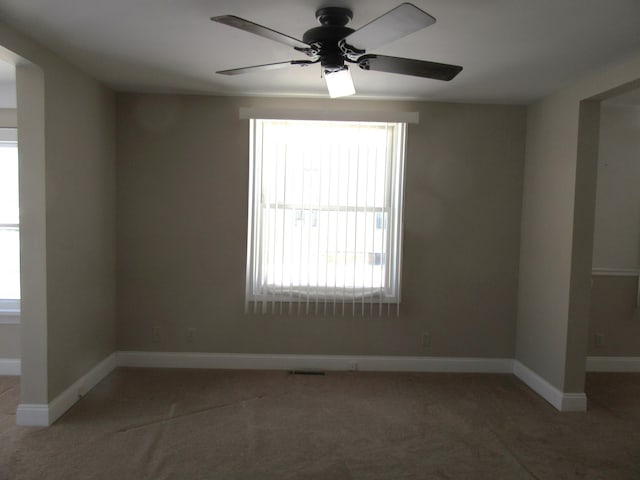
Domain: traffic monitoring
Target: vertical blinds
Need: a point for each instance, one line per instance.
(325, 217)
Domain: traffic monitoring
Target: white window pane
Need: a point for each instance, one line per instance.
(325, 210)
(9, 212)
(9, 263)
(323, 249)
(357, 154)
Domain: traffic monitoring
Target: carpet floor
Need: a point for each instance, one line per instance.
(216, 424)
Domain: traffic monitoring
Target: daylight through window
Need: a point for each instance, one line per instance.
(9, 222)
(325, 216)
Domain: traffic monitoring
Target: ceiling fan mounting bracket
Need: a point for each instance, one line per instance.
(334, 16)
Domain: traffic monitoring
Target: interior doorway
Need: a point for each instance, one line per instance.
(614, 324)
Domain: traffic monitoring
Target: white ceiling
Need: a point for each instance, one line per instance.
(512, 51)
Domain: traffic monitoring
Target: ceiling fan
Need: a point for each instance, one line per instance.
(333, 45)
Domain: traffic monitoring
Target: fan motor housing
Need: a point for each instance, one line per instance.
(332, 29)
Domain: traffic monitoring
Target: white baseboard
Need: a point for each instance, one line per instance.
(614, 272)
(9, 366)
(32, 415)
(565, 402)
(613, 364)
(316, 362)
(46, 414)
(42, 415)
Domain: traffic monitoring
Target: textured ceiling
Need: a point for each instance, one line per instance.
(512, 51)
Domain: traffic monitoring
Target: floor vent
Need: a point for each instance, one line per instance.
(307, 372)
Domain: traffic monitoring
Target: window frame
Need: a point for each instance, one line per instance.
(394, 207)
(10, 307)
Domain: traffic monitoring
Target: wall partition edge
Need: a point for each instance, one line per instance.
(43, 415)
(562, 401)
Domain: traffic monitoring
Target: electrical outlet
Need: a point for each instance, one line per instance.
(190, 334)
(598, 339)
(155, 333)
(426, 340)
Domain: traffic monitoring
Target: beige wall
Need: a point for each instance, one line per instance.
(545, 256)
(80, 186)
(615, 316)
(557, 226)
(9, 341)
(67, 150)
(8, 117)
(182, 206)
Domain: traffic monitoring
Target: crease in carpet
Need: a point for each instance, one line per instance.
(188, 414)
(513, 454)
(148, 456)
(7, 390)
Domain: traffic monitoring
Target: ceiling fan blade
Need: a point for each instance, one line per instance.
(409, 66)
(267, 66)
(397, 23)
(247, 26)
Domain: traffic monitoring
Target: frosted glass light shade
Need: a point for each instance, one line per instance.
(339, 83)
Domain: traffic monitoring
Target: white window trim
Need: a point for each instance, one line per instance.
(9, 308)
(395, 233)
(270, 113)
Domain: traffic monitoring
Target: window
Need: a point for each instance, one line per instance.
(325, 215)
(9, 223)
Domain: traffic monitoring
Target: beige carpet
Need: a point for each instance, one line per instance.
(188, 424)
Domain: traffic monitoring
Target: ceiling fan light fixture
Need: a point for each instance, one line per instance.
(339, 83)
